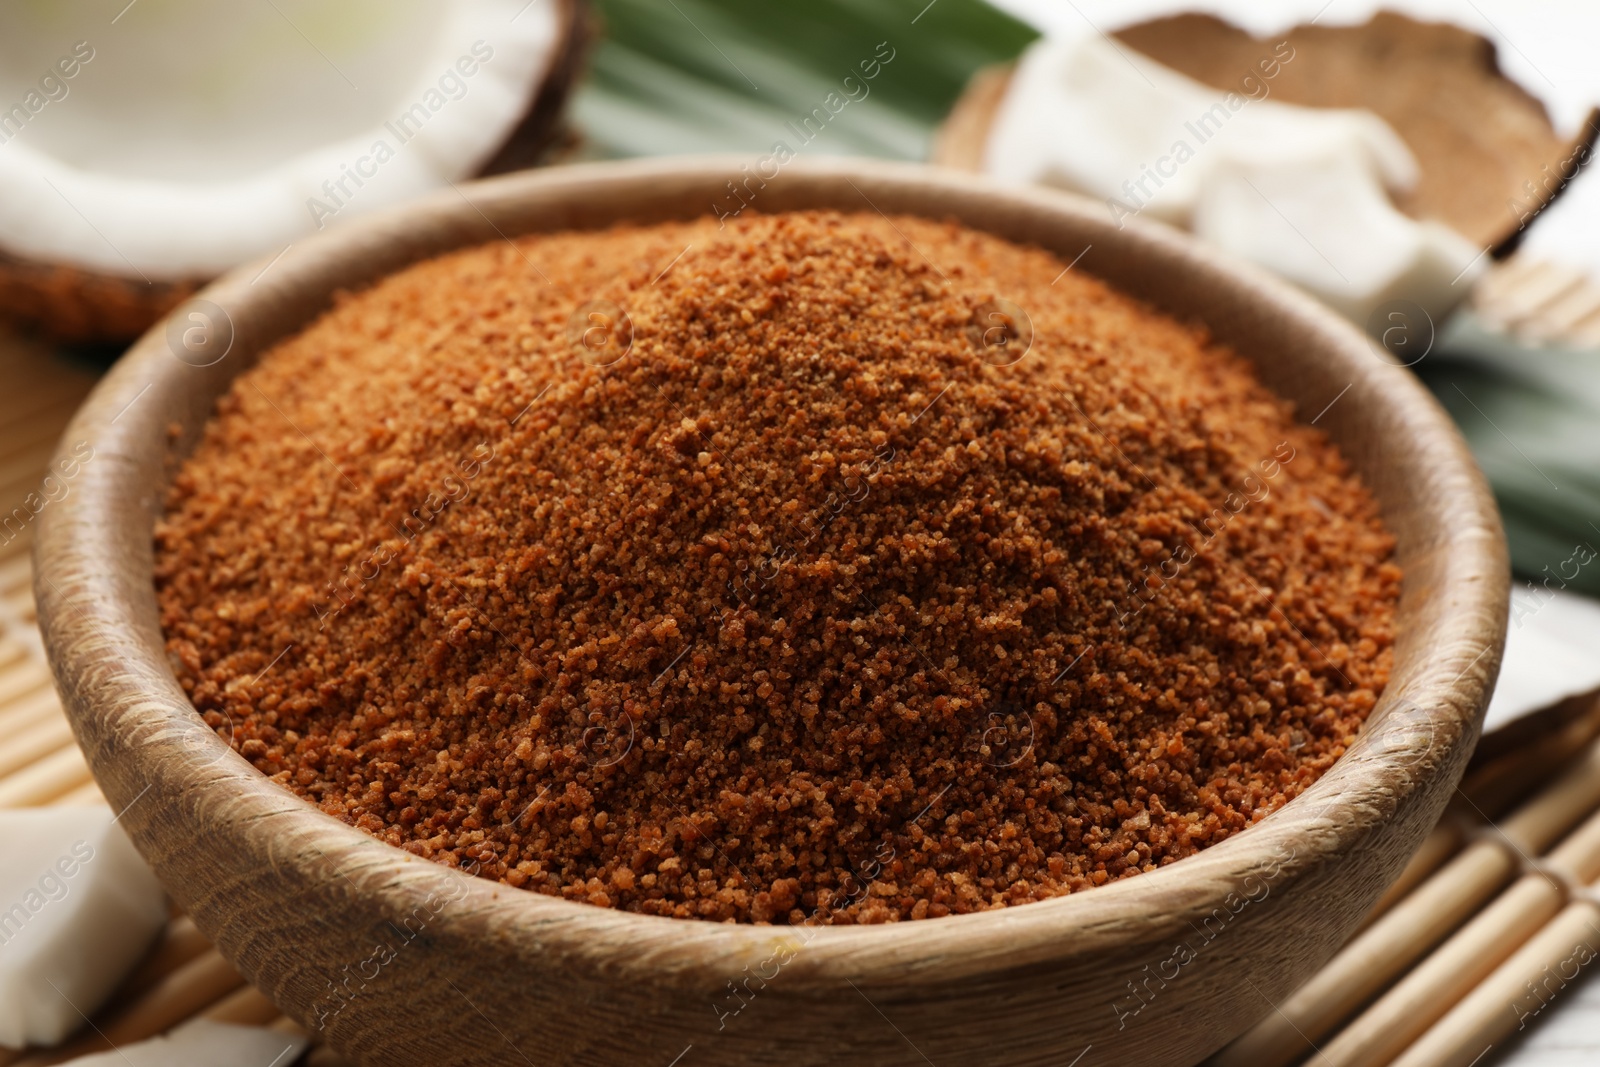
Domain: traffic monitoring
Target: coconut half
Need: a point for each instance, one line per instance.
(1489, 157)
(146, 147)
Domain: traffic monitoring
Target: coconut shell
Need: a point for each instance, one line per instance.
(540, 129)
(72, 304)
(1489, 156)
(1490, 159)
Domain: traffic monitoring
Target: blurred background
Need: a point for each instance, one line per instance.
(1421, 166)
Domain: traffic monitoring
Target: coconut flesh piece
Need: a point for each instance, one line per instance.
(187, 137)
(1322, 220)
(1294, 189)
(78, 909)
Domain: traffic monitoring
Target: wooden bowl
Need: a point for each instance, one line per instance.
(397, 960)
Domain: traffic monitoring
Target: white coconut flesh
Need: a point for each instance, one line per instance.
(1302, 191)
(78, 909)
(172, 139)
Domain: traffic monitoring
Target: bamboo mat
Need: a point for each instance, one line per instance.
(1540, 302)
(1493, 901)
(183, 977)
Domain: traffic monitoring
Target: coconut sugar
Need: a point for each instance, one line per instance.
(810, 568)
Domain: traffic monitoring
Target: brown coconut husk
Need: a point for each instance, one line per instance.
(66, 303)
(63, 302)
(1490, 159)
(540, 130)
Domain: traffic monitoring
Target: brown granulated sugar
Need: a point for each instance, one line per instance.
(801, 609)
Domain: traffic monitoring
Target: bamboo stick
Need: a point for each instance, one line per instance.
(22, 606)
(1432, 988)
(87, 793)
(196, 985)
(1381, 953)
(41, 782)
(15, 547)
(180, 944)
(245, 1007)
(21, 627)
(16, 573)
(1516, 993)
(11, 650)
(33, 743)
(21, 678)
(38, 707)
(1524, 296)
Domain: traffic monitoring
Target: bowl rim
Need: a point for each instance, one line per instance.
(136, 725)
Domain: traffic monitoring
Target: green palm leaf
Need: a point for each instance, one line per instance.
(679, 76)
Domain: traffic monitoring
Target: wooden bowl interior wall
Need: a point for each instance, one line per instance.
(299, 900)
